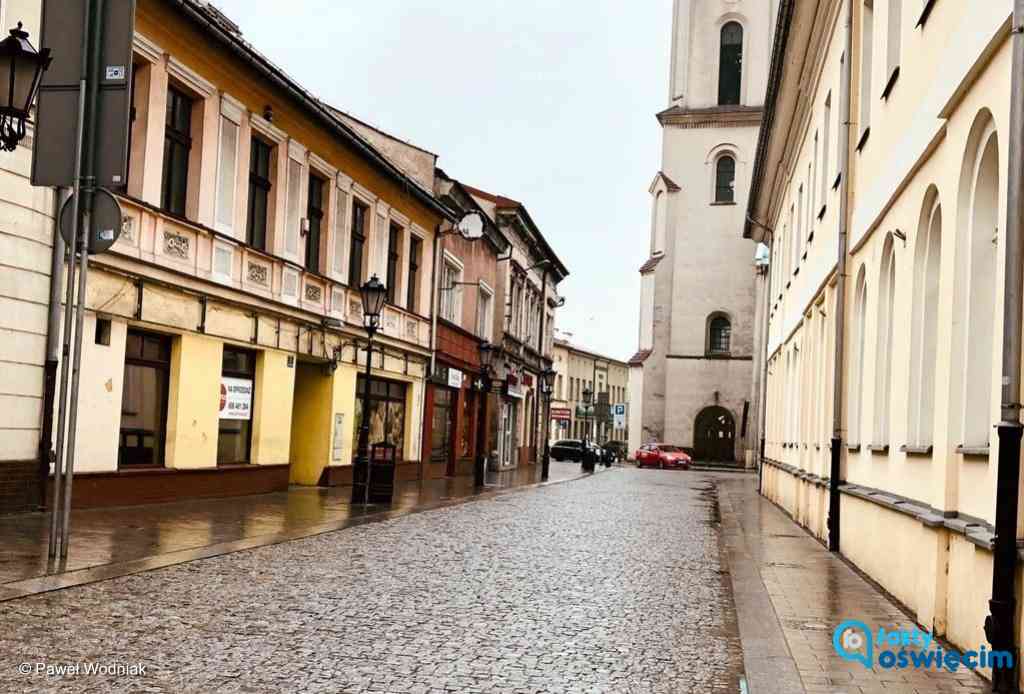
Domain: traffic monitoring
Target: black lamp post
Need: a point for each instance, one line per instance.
(373, 294)
(588, 465)
(483, 388)
(547, 386)
(21, 67)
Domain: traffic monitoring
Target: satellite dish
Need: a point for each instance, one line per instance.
(471, 226)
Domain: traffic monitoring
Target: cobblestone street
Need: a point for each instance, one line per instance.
(608, 584)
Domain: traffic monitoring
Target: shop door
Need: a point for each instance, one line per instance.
(507, 434)
(144, 400)
(442, 428)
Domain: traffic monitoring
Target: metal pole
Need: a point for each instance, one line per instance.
(537, 389)
(999, 625)
(546, 464)
(835, 468)
(363, 449)
(88, 193)
(479, 474)
(69, 298)
(52, 347)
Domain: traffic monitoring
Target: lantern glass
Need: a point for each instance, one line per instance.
(21, 67)
(486, 355)
(373, 294)
(587, 395)
(549, 377)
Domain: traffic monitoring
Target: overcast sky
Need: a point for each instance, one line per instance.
(548, 102)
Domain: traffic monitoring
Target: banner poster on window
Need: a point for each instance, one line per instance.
(235, 398)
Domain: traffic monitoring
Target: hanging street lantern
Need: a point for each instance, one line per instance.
(21, 67)
(373, 293)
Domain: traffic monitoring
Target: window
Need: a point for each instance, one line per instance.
(856, 386)
(177, 145)
(394, 254)
(340, 218)
(730, 64)
(719, 335)
(102, 336)
(293, 219)
(387, 413)
(658, 230)
(485, 314)
(315, 215)
(892, 44)
(413, 283)
(227, 164)
(924, 328)
(358, 244)
(442, 426)
(825, 145)
(237, 386)
(451, 274)
(725, 179)
(866, 38)
(884, 344)
(259, 194)
(147, 361)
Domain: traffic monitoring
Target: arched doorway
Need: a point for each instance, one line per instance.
(714, 435)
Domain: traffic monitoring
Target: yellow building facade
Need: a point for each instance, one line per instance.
(223, 346)
(919, 183)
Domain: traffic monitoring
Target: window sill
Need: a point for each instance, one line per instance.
(821, 213)
(916, 450)
(879, 448)
(891, 83)
(863, 138)
(839, 179)
(810, 237)
(723, 202)
(797, 271)
(717, 355)
(972, 451)
(853, 447)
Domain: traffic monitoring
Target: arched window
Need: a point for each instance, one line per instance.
(856, 387)
(927, 256)
(730, 64)
(977, 230)
(884, 344)
(719, 335)
(725, 179)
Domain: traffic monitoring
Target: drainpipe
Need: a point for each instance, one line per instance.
(999, 625)
(433, 340)
(52, 346)
(762, 424)
(844, 210)
(537, 408)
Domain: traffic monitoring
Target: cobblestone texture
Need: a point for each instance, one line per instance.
(608, 584)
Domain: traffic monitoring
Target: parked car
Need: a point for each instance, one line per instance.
(618, 449)
(567, 449)
(662, 455)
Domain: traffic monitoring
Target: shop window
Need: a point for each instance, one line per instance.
(177, 146)
(259, 193)
(387, 412)
(315, 215)
(144, 400)
(103, 331)
(355, 256)
(237, 387)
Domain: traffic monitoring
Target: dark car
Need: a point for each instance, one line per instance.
(617, 449)
(567, 449)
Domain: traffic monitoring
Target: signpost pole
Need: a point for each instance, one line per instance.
(84, 225)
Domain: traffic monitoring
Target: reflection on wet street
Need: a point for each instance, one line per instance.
(120, 534)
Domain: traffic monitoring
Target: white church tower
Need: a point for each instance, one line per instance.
(691, 376)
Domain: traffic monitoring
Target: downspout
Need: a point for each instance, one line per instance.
(537, 407)
(835, 473)
(762, 415)
(52, 346)
(433, 340)
(999, 624)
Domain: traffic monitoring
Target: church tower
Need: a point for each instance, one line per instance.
(691, 376)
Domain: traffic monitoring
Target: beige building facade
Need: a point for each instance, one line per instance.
(918, 183)
(578, 369)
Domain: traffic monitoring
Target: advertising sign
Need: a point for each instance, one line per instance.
(235, 398)
(561, 413)
(454, 378)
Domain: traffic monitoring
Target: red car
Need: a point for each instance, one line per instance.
(662, 455)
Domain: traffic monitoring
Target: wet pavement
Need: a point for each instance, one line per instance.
(125, 539)
(610, 583)
(791, 593)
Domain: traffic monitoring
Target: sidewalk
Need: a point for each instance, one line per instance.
(791, 593)
(117, 541)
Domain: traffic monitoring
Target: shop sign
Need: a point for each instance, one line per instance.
(235, 398)
(528, 380)
(454, 378)
(513, 387)
(561, 413)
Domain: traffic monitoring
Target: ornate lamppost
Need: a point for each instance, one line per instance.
(373, 294)
(483, 388)
(547, 386)
(588, 462)
(21, 68)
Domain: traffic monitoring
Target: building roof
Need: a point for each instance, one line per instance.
(670, 185)
(225, 32)
(651, 263)
(639, 358)
(590, 353)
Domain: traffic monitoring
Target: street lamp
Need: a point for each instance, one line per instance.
(587, 397)
(21, 67)
(372, 293)
(483, 387)
(547, 386)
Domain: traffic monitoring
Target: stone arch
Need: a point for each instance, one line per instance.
(884, 343)
(924, 320)
(714, 435)
(855, 388)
